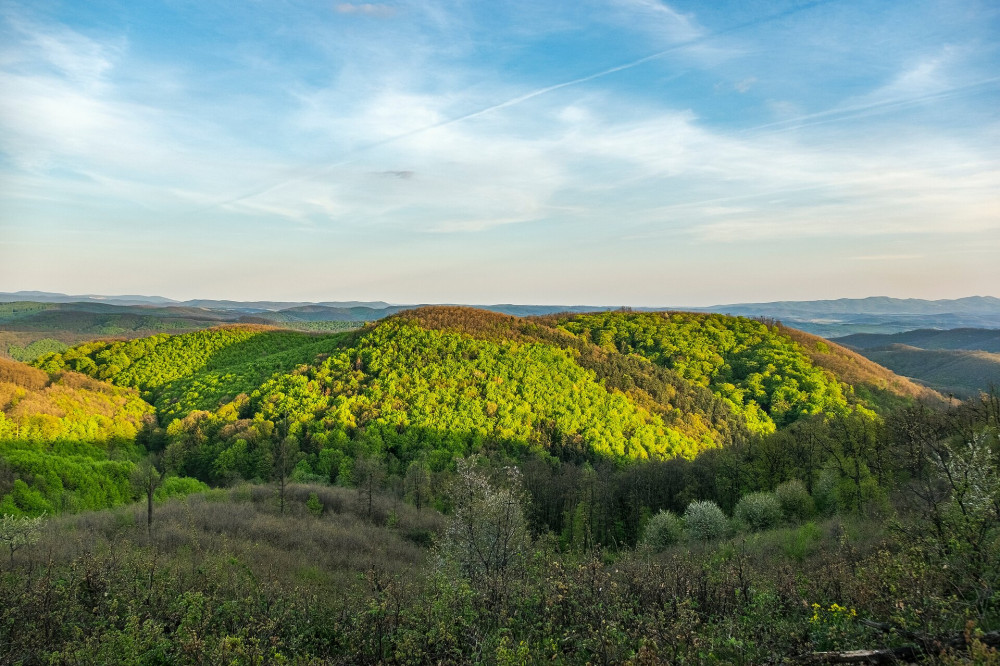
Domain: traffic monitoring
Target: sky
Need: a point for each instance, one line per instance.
(617, 152)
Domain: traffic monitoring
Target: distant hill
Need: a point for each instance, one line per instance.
(29, 328)
(972, 339)
(959, 362)
(874, 305)
(958, 372)
(847, 316)
(52, 297)
(828, 318)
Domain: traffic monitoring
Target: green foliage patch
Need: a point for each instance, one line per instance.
(763, 375)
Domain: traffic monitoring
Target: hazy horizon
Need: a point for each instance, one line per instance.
(629, 151)
(181, 301)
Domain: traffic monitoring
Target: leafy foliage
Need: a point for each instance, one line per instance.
(760, 372)
(796, 503)
(153, 362)
(35, 349)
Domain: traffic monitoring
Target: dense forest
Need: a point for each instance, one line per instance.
(603, 487)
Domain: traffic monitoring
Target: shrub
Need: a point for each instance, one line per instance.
(704, 521)
(796, 503)
(663, 530)
(178, 486)
(758, 511)
(314, 505)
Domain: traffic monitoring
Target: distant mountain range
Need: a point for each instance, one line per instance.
(829, 318)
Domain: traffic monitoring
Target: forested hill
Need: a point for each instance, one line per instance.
(437, 383)
(68, 441)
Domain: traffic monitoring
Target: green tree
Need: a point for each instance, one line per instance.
(487, 536)
(663, 530)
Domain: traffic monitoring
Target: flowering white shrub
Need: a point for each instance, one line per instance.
(664, 529)
(704, 521)
(758, 511)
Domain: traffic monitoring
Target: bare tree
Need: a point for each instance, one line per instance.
(286, 456)
(146, 479)
(15, 533)
(418, 483)
(369, 475)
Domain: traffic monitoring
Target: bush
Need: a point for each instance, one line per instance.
(663, 530)
(796, 503)
(178, 486)
(758, 511)
(314, 505)
(704, 521)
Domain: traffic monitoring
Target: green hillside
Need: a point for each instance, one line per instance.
(47, 407)
(763, 375)
(68, 442)
(665, 465)
(438, 383)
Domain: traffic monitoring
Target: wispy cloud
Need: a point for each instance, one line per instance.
(660, 17)
(460, 148)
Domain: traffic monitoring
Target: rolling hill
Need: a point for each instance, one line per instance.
(438, 383)
(960, 362)
(67, 441)
(30, 329)
(960, 373)
(971, 339)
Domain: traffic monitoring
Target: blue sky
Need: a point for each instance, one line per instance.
(619, 152)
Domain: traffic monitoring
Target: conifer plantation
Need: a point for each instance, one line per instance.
(451, 485)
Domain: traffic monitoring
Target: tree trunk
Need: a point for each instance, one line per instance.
(149, 509)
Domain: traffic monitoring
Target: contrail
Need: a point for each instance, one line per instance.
(314, 172)
(862, 110)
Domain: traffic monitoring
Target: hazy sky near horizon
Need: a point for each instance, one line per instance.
(596, 152)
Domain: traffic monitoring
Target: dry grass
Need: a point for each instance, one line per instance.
(243, 525)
